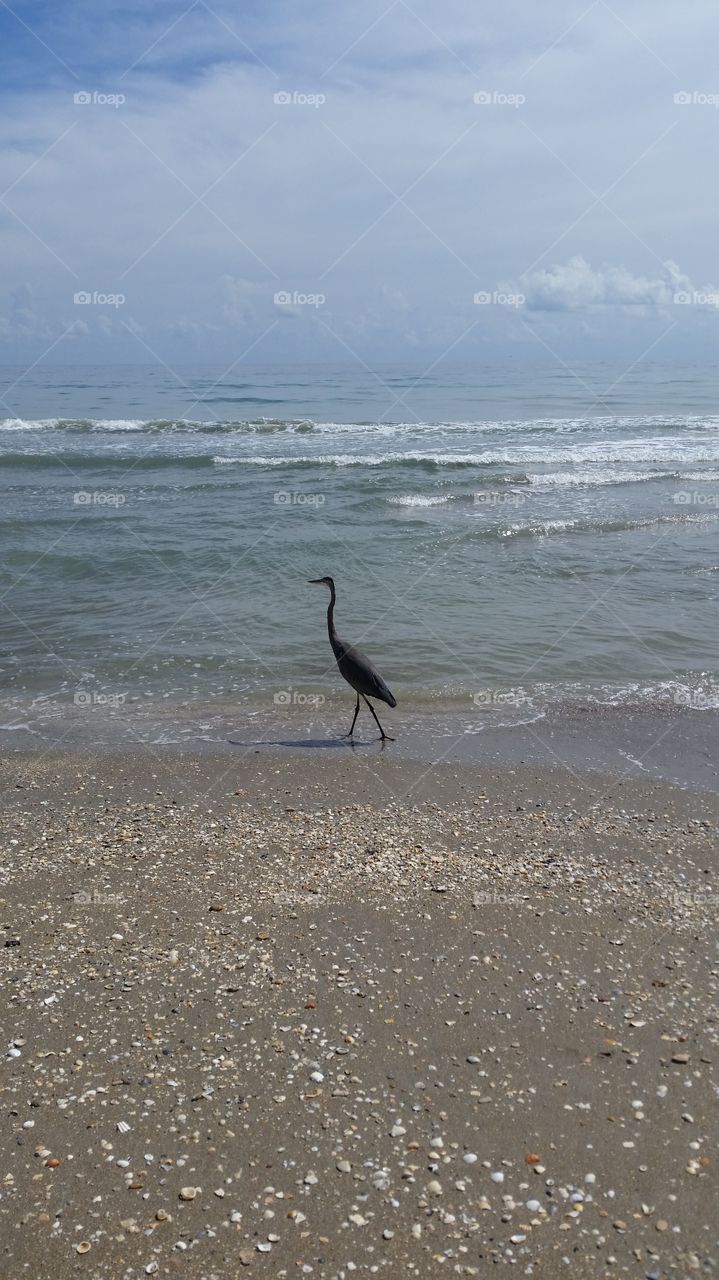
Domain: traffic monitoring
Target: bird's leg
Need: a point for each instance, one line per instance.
(354, 718)
(379, 726)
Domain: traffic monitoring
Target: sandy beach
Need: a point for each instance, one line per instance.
(351, 1016)
(359, 603)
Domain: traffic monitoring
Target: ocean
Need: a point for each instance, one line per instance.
(507, 542)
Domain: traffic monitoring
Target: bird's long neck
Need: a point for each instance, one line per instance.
(331, 618)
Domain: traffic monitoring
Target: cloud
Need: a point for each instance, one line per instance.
(577, 286)
(244, 301)
(394, 300)
(22, 320)
(398, 198)
(187, 331)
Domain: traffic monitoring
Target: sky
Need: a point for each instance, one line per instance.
(341, 183)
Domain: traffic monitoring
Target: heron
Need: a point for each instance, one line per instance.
(355, 667)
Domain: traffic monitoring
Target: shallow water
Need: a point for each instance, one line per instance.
(502, 540)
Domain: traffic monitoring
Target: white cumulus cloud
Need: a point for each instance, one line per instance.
(576, 285)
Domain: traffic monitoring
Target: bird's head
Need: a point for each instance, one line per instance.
(322, 582)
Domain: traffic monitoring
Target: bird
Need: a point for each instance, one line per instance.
(355, 667)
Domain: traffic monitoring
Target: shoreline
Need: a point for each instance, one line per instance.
(675, 745)
(344, 1015)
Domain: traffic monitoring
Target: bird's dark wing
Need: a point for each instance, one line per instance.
(359, 672)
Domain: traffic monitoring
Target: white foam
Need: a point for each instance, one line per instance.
(51, 424)
(118, 424)
(656, 450)
(694, 694)
(590, 479)
(632, 760)
(670, 450)
(600, 424)
(24, 424)
(517, 724)
(542, 527)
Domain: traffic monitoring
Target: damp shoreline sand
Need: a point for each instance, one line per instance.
(352, 1016)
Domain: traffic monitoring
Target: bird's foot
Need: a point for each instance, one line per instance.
(386, 738)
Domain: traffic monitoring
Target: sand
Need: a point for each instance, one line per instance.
(353, 1017)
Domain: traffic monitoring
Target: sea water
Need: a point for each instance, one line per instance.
(502, 539)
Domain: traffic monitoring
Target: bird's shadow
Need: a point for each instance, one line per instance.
(312, 744)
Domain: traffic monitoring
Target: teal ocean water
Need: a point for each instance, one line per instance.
(503, 540)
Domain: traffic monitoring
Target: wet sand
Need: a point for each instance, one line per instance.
(353, 1016)
(658, 740)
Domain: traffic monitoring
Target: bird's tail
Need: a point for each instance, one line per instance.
(380, 690)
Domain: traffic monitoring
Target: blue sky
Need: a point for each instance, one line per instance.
(432, 182)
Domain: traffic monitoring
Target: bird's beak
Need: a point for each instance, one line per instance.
(315, 582)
